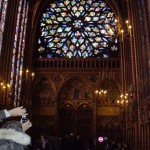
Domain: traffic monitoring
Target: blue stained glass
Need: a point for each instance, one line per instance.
(77, 28)
(105, 55)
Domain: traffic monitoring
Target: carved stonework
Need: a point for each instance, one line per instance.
(143, 114)
(115, 122)
(131, 109)
(148, 111)
(113, 93)
(44, 93)
(145, 111)
(93, 78)
(75, 90)
(77, 103)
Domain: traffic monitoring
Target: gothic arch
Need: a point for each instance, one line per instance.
(76, 120)
(71, 83)
(113, 90)
(44, 92)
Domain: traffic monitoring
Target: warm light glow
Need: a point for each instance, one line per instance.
(122, 31)
(123, 99)
(5, 86)
(127, 21)
(101, 96)
(105, 92)
(8, 85)
(101, 92)
(96, 91)
(116, 20)
(29, 74)
(32, 75)
(125, 32)
(130, 27)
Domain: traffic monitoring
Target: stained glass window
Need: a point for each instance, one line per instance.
(18, 49)
(77, 29)
(3, 10)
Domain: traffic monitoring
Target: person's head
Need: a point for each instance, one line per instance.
(12, 130)
(43, 138)
(16, 125)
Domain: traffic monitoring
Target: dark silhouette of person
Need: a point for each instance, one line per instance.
(72, 142)
(65, 142)
(90, 143)
(78, 143)
(44, 143)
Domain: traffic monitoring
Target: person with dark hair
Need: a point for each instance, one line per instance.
(18, 111)
(13, 136)
(44, 143)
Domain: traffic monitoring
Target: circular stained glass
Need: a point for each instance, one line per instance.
(77, 29)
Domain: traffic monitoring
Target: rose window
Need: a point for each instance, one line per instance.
(77, 29)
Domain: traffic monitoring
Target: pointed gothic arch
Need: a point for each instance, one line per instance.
(44, 92)
(113, 90)
(76, 88)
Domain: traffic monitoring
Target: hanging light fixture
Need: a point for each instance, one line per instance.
(101, 96)
(28, 74)
(5, 86)
(123, 99)
(122, 31)
(123, 25)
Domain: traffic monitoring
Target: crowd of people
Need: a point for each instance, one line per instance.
(13, 136)
(68, 142)
(113, 145)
